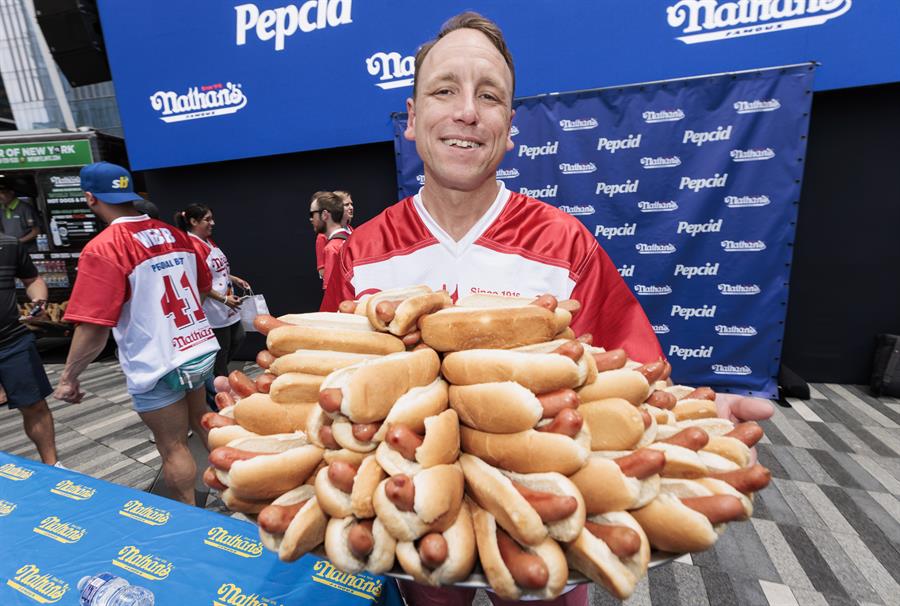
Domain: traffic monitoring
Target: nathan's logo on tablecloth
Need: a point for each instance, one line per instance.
(752, 155)
(644, 248)
(603, 231)
(626, 271)
(685, 353)
(504, 173)
(708, 20)
(614, 189)
(578, 210)
(393, 69)
(692, 229)
(360, 585)
(757, 105)
(644, 290)
(144, 565)
(206, 101)
(661, 329)
(577, 168)
(54, 528)
(42, 588)
(735, 331)
(743, 245)
(663, 115)
(14, 472)
(230, 594)
(541, 193)
(6, 508)
(614, 145)
(698, 138)
(660, 162)
(237, 544)
(696, 185)
(579, 124)
(152, 516)
(747, 201)
(657, 206)
(689, 271)
(728, 369)
(71, 490)
(285, 21)
(739, 289)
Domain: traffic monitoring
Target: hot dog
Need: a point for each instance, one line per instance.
(241, 384)
(293, 524)
(354, 545)
(614, 379)
(540, 372)
(222, 435)
(689, 409)
(426, 502)
(562, 313)
(500, 407)
(316, 362)
(413, 407)
(329, 331)
(398, 310)
(404, 451)
(749, 480)
(441, 558)
(264, 382)
(614, 424)
(264, 323)
(344, 489)
(260, 414)
(460, 328)
(265, 359)
(293, 387)
(574, 350)
(682, 459)
(627, 482)
(527, 451)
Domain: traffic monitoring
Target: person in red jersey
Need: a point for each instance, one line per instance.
(321, 239)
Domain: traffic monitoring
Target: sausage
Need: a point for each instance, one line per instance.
(401, 492)
(361, 540)
(433, 550)
(702, 393)
(212, 420)
(212, 480)
(347, 306)
(621, 540)
(527, 569)
(386, 310)
(264, 382)
(553, 402)
(224, 457)
(412, 338)
(662, 399)
(404, 440)
(573, 306)
(652, 371)
(587, 338)
(546, 301)
(570, 349)
(747, 432)
(692, 438)
(717, 508)
(224, 400)
(264, 359)
(568, 423)
(551, 507)
(364, 431)
(242, 385)
(752, 479)
(420, 345)
(330, 399)
(265, 323)
(645, 416)
(326, 435)
(667, 371)
(642, 463)
(342, 475)
(275, 519)
(610, 360)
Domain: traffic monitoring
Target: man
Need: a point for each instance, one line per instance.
(19, 220)
(464, 231)
(345, 223)
(23, 382)
(141, 278)
(326, 213)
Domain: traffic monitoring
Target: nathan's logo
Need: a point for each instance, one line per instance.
(73, 181)
(14, 472)
(360, 585)
(245, 547)
(739, 289)
(283, 22)
(502, 173)
(735, 331)
(708, 20)
(665, 115)
(660, 162)
(120, 183)
(692, 229)
(743, 245)
(198, 102)
(52, 527)
(577, 169)
(420, 179)
(757, 105)
(548, 191)
(698, 138)
(230, 594)
(533, 151)
(644, 290)
(659, 206)
(188, 341)
(73, 491)
(614, 145)
(614, 189)
(747, 201)
(752, 155)
(6, 508)
(579, 124)
(696, 185)
(43, 588)
(654, 249)
(661, 329)
(686, 353)
(689, 271)
(626, 271)
(393, 69)
(152, 516)
(728, 369)
(578, 210)
(150, 567)
(513, 130)
(693, 312)
(602, 231)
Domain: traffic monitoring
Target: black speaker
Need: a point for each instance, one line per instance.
(73, 33)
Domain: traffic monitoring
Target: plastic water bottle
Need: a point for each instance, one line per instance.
(106, 589)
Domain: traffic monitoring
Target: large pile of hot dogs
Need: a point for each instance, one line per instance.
(413, 430)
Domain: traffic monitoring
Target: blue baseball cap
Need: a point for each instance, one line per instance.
(110, 183)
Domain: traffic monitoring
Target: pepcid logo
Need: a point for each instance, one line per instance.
(614, 145)
(145, 514)
(577, 168)
(644, 290)
(578, 210)
(361, 585)
(658, 206)
(690, 271)
(42, 588)
(695, 185)
(752, 155)
(6, 508)
(660, 162)
(757, 105)
(626, 271)
(579, 124)
(237, 544)
(709, 20)
(541, 193)
(686, 353)
(62, 532)
(230, 594)
(729, 369)
(743, 245)
(283, 22)
(14, 472)
(614, 189)
(664, 115)
(747, 290)
(735, 331)
(144, 565)
(207, 101)
(71, 490)
(698, 138)
(602, 231)
(687, 313)
(533, 151)
(746, 201)
(502, 173)
(661, 329)
(393, 69)
(654, 249)
(692, 229)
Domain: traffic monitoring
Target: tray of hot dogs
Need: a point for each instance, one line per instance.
(476, 444)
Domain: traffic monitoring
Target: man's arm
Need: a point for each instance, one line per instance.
(31, 235)
(36, 289)
(87, 343)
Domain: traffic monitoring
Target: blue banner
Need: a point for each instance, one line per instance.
(58, 527)
(692, 188)
(208, 80)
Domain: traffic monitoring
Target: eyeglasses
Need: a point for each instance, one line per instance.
(312, 213)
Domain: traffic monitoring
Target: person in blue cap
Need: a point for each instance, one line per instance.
(141, 279)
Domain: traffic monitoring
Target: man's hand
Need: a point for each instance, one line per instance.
(739, 408)
(68, 391)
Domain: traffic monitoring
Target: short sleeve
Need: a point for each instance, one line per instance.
(101, 289)
(25, 269)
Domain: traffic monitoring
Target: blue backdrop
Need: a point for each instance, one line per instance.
(692, 188)
(208, 80)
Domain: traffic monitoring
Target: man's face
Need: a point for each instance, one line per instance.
(315, 218)
(6, 196)
(348, 210)
(461, 115)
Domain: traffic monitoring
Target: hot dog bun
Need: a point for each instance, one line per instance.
(316, 362)
(504, 407)
(587, 367)
(284, 462)
(438, 496)
(260, 414)
(440, 446)
(416, 405)
(248, 506)
(606, 488)
(330, 331)
(358, 502)
(305, 531)
(539, 372)
(623, 383)
(292, 387)
(529, 451)
(562, 317)
(409, 305)
(459, 328)
(460, 539)
(687, 410)
(337, 548)
(614, 424)
(221, 436)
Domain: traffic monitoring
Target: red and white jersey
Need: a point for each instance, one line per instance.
(520, 247)
(218, 314)
(142, 277)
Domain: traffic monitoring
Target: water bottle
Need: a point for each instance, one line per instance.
(106, 589)
(54, 232)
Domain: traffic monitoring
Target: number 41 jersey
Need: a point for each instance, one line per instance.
(142, 277)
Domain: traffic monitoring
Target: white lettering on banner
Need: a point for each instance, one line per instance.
(692, 229)
(698, 138)
(686, 352)
(533, 151)
(654, 249)
(283, 22)
(728, 369)
(723, 20)
(735, 331)
(757, 105)
(694, 312)
(696, 185)
(689, 271)
(614, 189)
(626, 271)
(513, 130)
(661, 162)
(672, 115)
(752, 155)
(739, 289)
(396, 70)
(154, 237)
(661, 329)
(577, 169)
(199, 102)
(609, 233)
(644, 290)
(420, 179)
(578, 209)
(72, 181)
(541, 193)
(507, 173)
(746, 201)
(579, 124)
(613, 145)
(743, 245)
(659, 206)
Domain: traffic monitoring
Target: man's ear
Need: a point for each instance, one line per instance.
(509, 142)
(90, 199)
(410, 132)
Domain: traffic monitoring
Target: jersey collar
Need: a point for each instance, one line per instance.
(461, 246)
(130, 219)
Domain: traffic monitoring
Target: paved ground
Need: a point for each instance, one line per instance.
(826, 531)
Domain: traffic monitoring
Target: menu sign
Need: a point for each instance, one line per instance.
(71, 222)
